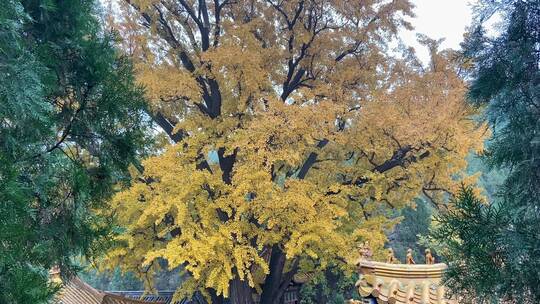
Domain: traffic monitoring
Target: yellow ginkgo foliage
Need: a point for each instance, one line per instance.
(293, 137)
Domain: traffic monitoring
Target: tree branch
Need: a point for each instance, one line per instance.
(167, 126)
(311, 160)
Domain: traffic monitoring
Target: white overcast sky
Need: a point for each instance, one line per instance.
(439, 19)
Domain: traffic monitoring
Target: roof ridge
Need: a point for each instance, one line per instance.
(137, 301)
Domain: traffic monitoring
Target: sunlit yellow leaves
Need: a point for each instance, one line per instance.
(413, 142)
(167, 88)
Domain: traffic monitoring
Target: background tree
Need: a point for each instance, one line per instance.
(332, 286)
(294, 135)
(70, 123)
(414, 224)
(115, 279)
(503, 238)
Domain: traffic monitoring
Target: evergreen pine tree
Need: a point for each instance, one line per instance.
(71, 122)
(496, 249)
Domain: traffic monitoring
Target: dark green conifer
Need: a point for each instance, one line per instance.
(71, 122)
(495, 250)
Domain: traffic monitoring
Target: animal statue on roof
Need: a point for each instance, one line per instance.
(365, 251)
(390, 258)
(430, 259)
(409, 258)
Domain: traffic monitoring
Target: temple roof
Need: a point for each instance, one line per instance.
(401, 283)
(162, 296)
(77, 292)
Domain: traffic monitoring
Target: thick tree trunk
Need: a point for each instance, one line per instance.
(240, 292)
(215, 298)
(273, 279)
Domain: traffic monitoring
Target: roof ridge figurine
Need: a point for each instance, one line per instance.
(409, 258)
(390, 258)
(430, 259)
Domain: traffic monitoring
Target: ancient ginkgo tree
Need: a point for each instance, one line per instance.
(293, 134)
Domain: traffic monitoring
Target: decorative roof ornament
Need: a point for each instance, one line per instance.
(393, 283)
(430, 259)
(409, 258)
(365, 251)
(390, 258)
(55, 275)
